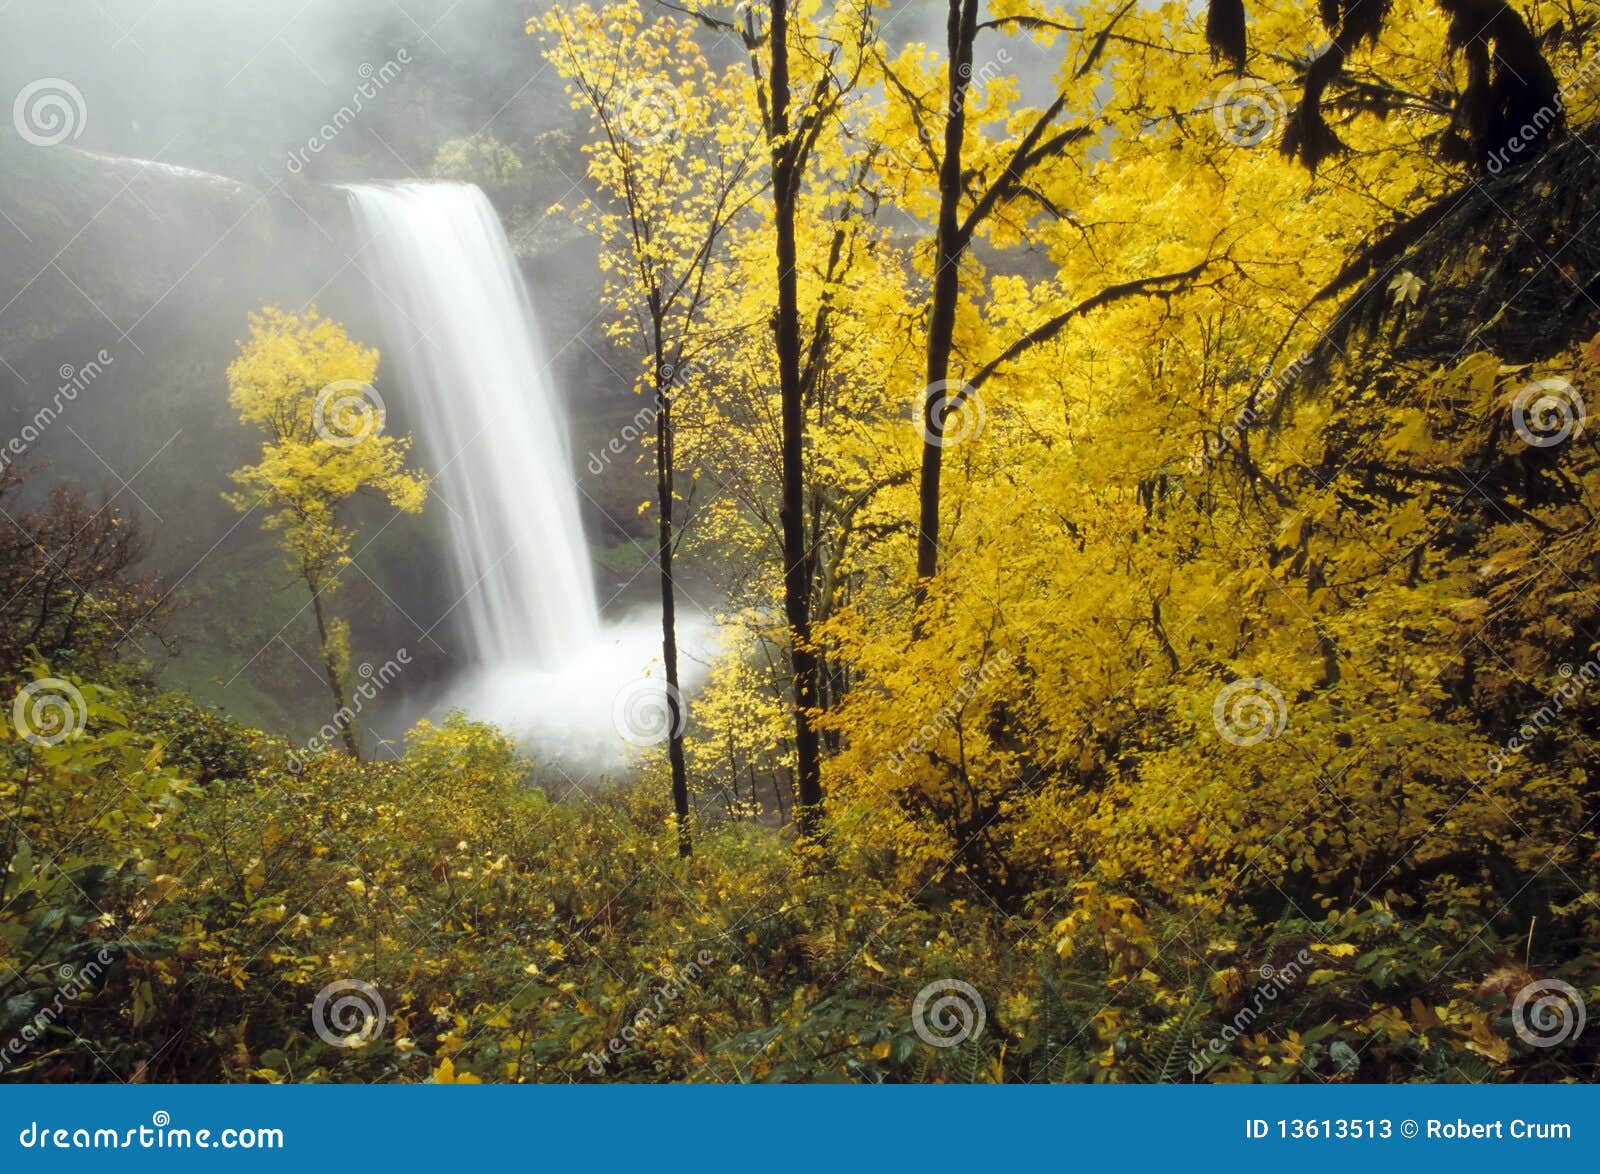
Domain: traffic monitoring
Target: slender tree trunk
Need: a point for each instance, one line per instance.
(343, 717)
(949, 246)
(796, 555)
(779, 786)
(669, 606)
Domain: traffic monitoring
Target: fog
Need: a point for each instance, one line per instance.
(235, 86)
(175, 167)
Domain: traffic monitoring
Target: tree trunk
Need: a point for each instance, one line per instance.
(669, 607)
(343, 717)
(949, 246)
(796, 555)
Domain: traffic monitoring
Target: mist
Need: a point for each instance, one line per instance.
(195, 152)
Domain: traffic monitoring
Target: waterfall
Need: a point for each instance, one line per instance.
(461, 347)
(461, 335)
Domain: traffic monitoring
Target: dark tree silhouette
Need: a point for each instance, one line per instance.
(67, 590)
(1511, 95)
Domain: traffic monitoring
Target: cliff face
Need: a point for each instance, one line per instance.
(93, 242)
(158, 267)
(126, 285)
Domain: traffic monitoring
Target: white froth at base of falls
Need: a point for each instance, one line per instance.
(598, 710)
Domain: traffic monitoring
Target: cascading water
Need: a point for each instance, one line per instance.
(460, 334)
(489, 425)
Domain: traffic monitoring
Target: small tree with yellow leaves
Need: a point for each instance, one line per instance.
(307, 386)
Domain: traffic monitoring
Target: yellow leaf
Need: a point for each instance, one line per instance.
(446, 1074)
(1486, 1043)
(1424, 1015)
